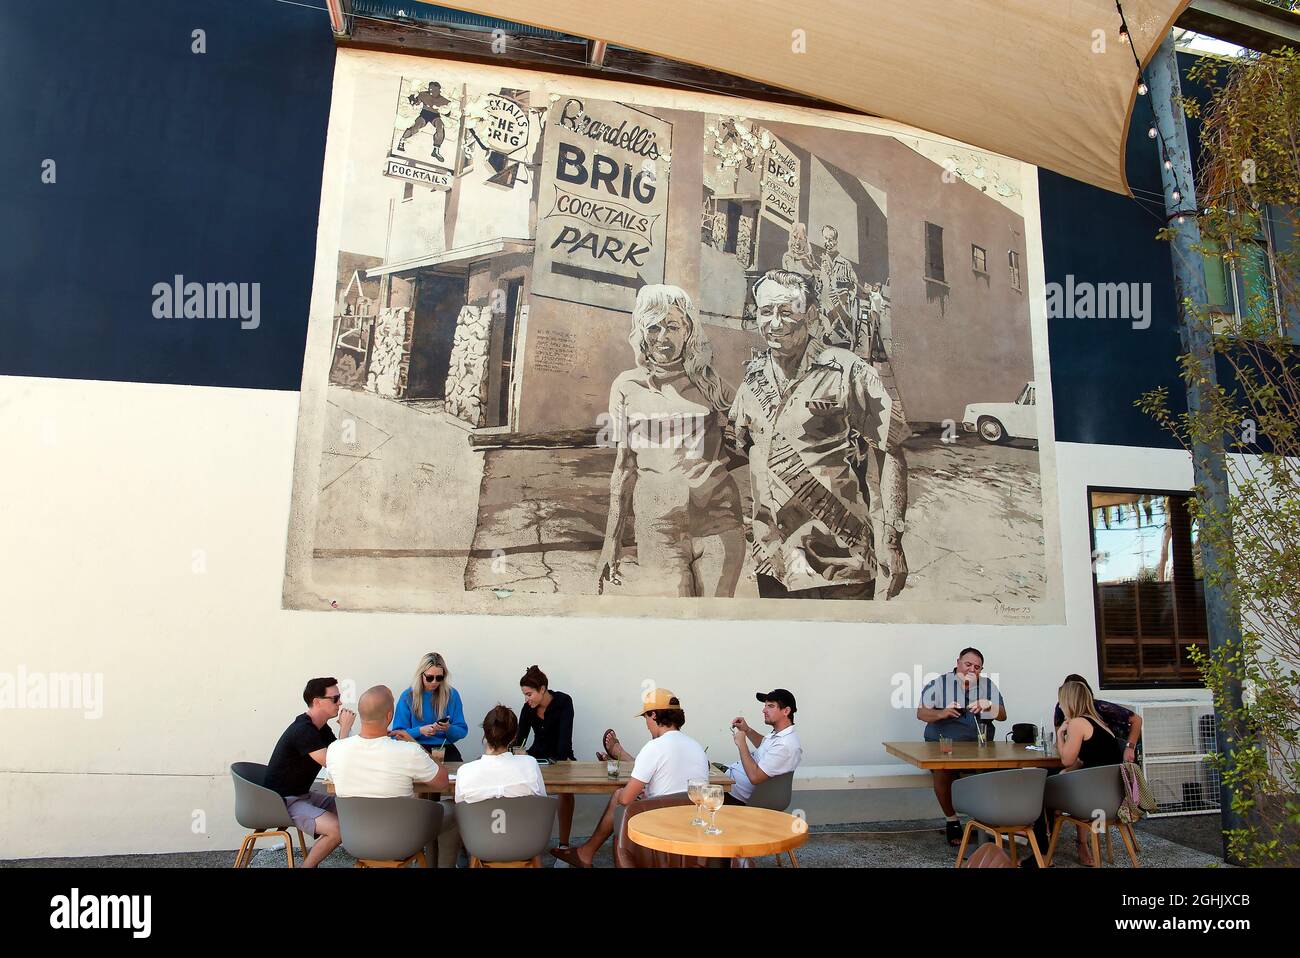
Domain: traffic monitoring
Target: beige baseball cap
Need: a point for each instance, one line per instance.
(658, 699)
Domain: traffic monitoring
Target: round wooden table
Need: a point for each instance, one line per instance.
(746, 832)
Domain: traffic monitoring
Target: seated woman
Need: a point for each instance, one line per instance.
(1082, 741)
(499, 773)
(429, 713)
(549, 716)
(1124, 723)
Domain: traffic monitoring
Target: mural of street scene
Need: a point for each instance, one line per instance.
(595, 355)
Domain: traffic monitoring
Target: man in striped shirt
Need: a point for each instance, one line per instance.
(952, 706)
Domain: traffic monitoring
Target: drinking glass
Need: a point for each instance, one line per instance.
(981, 733)
(693, 786)
(945, 745)
(711, 798)
(611, 767)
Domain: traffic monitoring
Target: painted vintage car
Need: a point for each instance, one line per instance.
(999, 421)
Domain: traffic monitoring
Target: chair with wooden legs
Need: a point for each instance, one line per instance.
(775, 793)
(390, 832)
(262, 810)
(507, 832)
(1001, 803)
(1090, 797)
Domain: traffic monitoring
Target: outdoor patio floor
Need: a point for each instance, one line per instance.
(1185, 842)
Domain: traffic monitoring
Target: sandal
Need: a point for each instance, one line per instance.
(605, 740)
(954, 833)
(569, 856)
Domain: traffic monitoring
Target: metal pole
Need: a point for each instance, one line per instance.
(1208, 459)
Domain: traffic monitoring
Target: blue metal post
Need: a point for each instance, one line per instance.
(1208, 459)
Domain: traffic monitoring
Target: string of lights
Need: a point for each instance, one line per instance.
(1154, 132)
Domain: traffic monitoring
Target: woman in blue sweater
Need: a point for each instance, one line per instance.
(429, 713)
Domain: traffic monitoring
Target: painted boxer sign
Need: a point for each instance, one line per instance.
(603, 203)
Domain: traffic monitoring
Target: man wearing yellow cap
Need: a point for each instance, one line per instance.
(662, 767)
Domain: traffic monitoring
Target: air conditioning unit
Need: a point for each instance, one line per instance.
(1178, 742)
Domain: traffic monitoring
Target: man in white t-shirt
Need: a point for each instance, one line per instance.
(662, 767)
(372, 765)
(774, 754)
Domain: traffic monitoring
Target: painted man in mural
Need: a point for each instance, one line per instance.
(429, 102)
(811, 417)
(837, 292)
(798, 257)
(668, 416)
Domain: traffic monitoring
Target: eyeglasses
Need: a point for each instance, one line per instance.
(432, 678)
(333, 698)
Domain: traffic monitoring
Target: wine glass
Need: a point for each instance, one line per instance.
(711, 799)
(693, 786)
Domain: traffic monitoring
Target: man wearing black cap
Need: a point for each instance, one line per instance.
(774, 754)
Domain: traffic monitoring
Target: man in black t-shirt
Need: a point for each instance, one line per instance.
(299, 756)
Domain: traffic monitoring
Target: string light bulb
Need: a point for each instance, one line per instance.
(1177, 196)
(1142, 89)
(1123, 35)
(1151, 133)
(1169, 164)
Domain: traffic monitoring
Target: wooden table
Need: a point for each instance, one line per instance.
(969, 757)
(746, 832)
(574, 778)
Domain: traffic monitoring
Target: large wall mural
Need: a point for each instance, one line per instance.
(580, 347)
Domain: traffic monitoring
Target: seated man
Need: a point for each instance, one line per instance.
(774, 754)
(662, 767)
(297, 759)
(373, 765)
(951, 706)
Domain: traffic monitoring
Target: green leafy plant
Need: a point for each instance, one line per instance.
(1249, 182)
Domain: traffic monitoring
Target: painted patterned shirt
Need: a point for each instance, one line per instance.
(811, 512)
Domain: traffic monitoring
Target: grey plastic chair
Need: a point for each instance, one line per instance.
(263, 810)
(775, 793)
(1085, 797)
(389, 832)
(507, 832)
(1001, 803)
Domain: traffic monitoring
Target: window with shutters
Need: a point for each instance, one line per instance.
(978, 259)
(1148, 594)
(934, 253)
(1013, 264)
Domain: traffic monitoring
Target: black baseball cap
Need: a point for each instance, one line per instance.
(781, 697)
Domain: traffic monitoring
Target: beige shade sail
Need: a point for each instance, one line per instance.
(1030, 79)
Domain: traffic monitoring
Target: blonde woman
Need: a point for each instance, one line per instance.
(668, 415)
(429, 713)
(1082, 741)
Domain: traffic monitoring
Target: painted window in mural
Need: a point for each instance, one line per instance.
(594, 354)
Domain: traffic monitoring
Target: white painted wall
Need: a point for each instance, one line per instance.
(109, 489)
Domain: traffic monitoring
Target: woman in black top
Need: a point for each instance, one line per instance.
(549, 716)
(1084, 741)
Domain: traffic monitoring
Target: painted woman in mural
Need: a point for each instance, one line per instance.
(667, 416)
